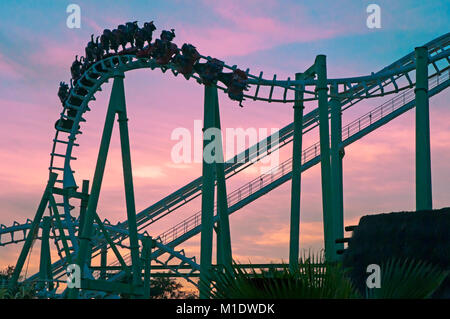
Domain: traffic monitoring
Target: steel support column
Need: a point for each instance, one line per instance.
(128, 181)
(111, 244)
(33, 231)
(294, 240)
(224, 251)
(103, 261)
(423, 156)
(65, 243)
(207, 198)
(219, 240)
(83, 207)
(45, 272)
(337, 153)
(325, 165)
(147, 246)
(116, 105)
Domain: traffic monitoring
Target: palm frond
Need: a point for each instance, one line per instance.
(314, 278)
(405, 279)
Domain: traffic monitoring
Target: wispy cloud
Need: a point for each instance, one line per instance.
(9, 69)
(242, 29)
(153, 172)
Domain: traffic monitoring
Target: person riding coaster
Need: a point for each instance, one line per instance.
(105, 40)
(143, 35)
(114, 38)
(185, 62)
(209, 71)
(76, 68)
(63, 92)
(236, 83)
(90, 50)
(66, 124)
(148, 29)
(164, 49)
(121, 35)
(131, 29)
(139, 38)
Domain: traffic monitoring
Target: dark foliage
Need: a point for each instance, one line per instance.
(422, 235)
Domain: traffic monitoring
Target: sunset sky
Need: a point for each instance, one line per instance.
(277, 37)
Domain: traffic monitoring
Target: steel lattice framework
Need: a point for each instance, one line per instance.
(81, 236)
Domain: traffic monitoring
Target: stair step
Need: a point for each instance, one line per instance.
(64, 142)
(61, 129)
(62, 155)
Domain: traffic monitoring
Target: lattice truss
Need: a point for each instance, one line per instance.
(66, 204)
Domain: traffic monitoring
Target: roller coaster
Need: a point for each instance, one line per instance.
(78, 237)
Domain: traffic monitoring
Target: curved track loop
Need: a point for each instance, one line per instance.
(392, 79)
(310, 156)
(101, 71)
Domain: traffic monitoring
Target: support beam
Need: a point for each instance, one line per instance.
(84, 202)
(294, 240)
(147, 246)
(33, 231)
(87, 228)
(337, 153)
(325, 165)
(111, 244)
(423, 157)
(224, 251)
(83, 207)
(128, 180)
(219, 251)
(207, 198)
(116, 105)
(45, 273)
(62, 235)
(103, 261)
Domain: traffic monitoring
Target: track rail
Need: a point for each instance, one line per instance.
(392, 79)
(310, 157)
(267, 182)
(438, 51)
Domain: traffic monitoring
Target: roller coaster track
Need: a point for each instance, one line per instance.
(263, 184)
(390, 80)
(269, 181)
